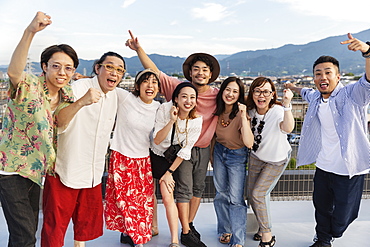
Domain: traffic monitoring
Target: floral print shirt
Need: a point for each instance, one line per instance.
(28, 137)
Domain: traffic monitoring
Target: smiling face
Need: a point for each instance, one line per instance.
(326, 78)
(200, 73)
(262, 96)
(58, 71)
(108, 80)
(231, 93)
(186, 100)
(148, 89)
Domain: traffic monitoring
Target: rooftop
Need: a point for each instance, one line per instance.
(293, 225)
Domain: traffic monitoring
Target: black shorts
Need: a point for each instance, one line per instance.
(159, 165)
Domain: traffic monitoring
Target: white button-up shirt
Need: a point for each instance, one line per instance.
(82, 146)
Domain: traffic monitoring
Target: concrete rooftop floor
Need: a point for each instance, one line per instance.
(293, 225)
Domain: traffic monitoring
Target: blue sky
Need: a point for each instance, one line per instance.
(178, 27)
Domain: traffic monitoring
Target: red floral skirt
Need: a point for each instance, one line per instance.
(129, 197)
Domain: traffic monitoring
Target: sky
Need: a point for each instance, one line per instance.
(178, 27)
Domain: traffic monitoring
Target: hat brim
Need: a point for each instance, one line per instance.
(141, 73)
(216, 66)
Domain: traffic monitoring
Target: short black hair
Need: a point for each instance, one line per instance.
(326, 59)
(49, 52)
(104, 56)
(202, 59)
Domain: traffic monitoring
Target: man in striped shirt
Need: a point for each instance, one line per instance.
(334, 135)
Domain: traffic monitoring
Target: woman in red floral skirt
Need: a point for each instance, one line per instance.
(129, 191)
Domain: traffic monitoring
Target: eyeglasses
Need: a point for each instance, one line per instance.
(67, 69)
(257, 92)
(110, 68)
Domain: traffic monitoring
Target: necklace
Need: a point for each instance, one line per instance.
(55, 101)
(258, 137)
(182, 132)
(223, 122)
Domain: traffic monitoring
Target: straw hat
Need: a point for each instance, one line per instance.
(216, 66)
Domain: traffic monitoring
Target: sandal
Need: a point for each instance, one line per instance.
(271, 243)
(225, 238)
(155, 231)
(257, 237)
(174, 245)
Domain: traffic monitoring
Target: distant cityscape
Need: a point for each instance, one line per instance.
(299, 107)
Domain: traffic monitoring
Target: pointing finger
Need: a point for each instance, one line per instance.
(132, 36)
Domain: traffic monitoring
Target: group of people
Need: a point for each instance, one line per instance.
(56, 134)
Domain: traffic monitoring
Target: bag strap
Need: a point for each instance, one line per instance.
(173, 132)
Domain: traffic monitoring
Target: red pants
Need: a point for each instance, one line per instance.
(61, 203)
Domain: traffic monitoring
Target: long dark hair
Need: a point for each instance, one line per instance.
(220, 104)
(258, 82)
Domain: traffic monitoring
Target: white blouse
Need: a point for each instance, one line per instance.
(135, 122)
(274, 146)
(193, 132)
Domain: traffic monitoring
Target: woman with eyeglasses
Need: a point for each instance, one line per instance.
(233, 138)
(28, 135)
(271, 121)
(130, 190)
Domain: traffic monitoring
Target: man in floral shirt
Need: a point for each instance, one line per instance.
(27, 144)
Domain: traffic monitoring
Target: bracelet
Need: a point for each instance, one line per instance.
(288, 108)
(367, 54)
(169, 170)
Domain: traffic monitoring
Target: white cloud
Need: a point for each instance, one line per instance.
(333, 9)
(238, 39)
(127, 3)
(211, 12)
(164, 37)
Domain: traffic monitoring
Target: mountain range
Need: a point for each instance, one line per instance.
(286, 60)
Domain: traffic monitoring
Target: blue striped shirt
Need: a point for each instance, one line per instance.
(348, 105)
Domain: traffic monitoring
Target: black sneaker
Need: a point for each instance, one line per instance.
(190, 240)
(195, 232)
(125, 239)
(320, 244)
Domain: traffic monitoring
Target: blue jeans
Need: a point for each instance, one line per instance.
(229, 175)
(20, 198)
(337, 201)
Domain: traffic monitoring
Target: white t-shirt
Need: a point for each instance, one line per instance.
(330, 158)
(194, 130)
(274, 146)
(135, 121)
(82, 146)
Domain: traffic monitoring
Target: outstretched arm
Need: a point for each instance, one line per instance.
(293, 87)
(19, 57)
(357, 45)
(134, 44)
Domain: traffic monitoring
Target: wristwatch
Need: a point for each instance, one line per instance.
(367, 54)
(169, 170)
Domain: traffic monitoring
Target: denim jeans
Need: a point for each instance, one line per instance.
(19, 198)
(229, 175)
